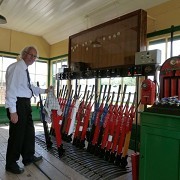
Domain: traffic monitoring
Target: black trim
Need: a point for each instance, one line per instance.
(57, 57)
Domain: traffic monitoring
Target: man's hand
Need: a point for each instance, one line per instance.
(14, 117)
(50, 88)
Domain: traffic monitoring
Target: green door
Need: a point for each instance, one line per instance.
(159, 154)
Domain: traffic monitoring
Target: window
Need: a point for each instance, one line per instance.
(115, 82)
(83, 83)
(175, 47)
(4, 63)
(38, 72)
(161, 45)
(164, 45)
(56, 65)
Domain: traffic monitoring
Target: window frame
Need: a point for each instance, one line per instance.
(53, 80)
(15, 56)
(164, 38)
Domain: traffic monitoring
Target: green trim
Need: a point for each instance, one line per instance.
(6, 56)
(4, 119)
(16, 54)
(163, 40)
(159, 41)
(164, 31)
(10, 53)
(43, 58)
(58, 57)
(174, 38)
(49, 68)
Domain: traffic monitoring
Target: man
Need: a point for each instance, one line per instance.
(18, 103)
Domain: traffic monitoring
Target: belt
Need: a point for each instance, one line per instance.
(24, 98)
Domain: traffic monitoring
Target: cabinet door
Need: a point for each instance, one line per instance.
(159, 154)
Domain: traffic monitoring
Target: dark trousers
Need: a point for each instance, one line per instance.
(22, 134)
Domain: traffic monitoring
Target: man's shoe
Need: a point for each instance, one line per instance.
(14, 168)
(32, 160)
(36, 158)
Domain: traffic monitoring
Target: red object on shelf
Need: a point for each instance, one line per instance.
(148, 89)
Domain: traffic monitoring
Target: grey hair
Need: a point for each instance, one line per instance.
(26, 49)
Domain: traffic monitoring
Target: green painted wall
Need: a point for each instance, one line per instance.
(4, 119)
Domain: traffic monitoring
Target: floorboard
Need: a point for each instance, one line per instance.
(48, 168)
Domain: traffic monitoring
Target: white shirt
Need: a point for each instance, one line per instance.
(17, 85)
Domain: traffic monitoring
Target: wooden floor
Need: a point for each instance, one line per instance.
(49, 168)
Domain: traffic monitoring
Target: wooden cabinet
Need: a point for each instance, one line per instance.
(160, 147)
(110, 44)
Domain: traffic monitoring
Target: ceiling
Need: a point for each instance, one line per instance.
(56, 20)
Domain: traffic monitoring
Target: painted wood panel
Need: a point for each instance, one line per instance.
(110, 44)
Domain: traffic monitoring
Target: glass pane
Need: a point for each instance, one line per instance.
(4, 63)
(42, 81)
(54, 81)
(73, 82)
(32, 79)
(83, 85)
(1, 63)
(42, 68)
(31, 68)
(7, 61)
(59, 65)
(115, 82)
(131, 87)
(90, 83)
(62, 82)
(3, 80)
(53, 69)
(64, 62)
(161, 46)
(104, 81)
(175, 46)
(2, 87)
(2, 94)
